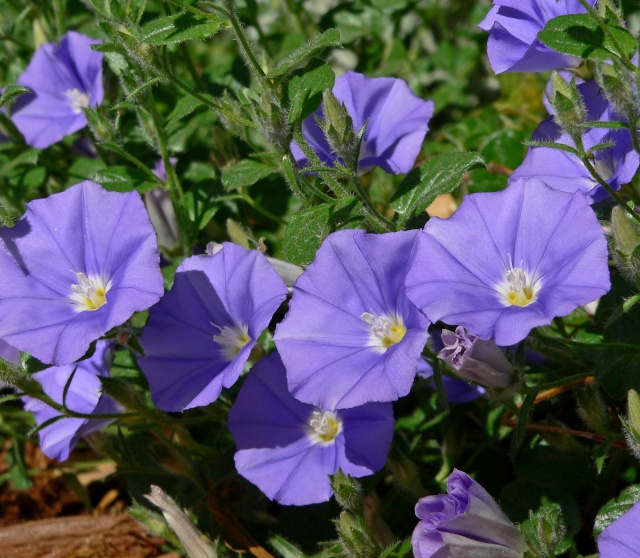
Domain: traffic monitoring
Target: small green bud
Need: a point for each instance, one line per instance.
(592, 408)
(274, 121)
(633, 408)
(625, 238)
(348, 491)
(631, 425)
(99, 125)
(338, 128)
(355, 536)
(618, 85)
(548, 530)
(237, 233)
(568, 104)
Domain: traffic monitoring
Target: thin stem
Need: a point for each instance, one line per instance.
(380, 221)
(605, 29)
(561, 382)
(246, 50)
(176, 192)
(577, 138)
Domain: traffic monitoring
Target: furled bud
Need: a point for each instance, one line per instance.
(548, 530)
(99, 125)
(476, 359)
(338, 128)
(465, 522)
(568, 105)
(626, 244)
(631, 424)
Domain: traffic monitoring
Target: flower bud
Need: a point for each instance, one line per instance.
(568, 105)
(465, 522)
(476, 359)
(626, 244)
(338, 128)
(99, 125)
(631, 424)
(347, 490)
(548, 528)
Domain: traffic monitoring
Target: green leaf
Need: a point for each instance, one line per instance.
(553, 145)
(305, 88)
(11, 92)
(329, 39)
(180, 27)
(185, 106)
(246, 173)
(308, 228)
(438, 175)
(579, 35)
(123, 179)
(616, 508)
(284, 548)
(609, 124)
(17, 468)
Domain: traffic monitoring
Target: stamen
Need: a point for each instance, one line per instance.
(231, 340)
(78, 100)
(518, 287)
(325, 426)
(385, 331)
(90, 293)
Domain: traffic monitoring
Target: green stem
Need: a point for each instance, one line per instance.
(605, 29)
(592, 170)
(176, 192)
(381, 223)
(556, 383)
(245, 46)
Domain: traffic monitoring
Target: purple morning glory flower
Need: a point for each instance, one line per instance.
(564, 171)
(351, 335)
(621, 538)
(397, 122)
(477, 359)
(65, 79)
(288, 448)
(506, 262)
(464, 522)
(77, 264)
(456, 391)
(201, 333)
(9, 353)
(513, 27)
(83, 396)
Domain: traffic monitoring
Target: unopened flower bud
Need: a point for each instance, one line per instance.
(548, 529)
(626, 244)
(465, 522)
(99, 125)
(338, 127)
(568, 105)
(631, 424)
(476, 359)
(347, 490)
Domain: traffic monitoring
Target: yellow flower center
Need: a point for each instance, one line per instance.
(385, 331)
(325, 426)
(518, 287)
(89, 293)
(231, 340)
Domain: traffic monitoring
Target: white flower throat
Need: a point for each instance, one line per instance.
(385, 330)
(324, 426)
(519, 287)
(89, 293)
(231, 340)
(78, 100)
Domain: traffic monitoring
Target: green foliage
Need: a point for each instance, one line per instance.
(580, 35)
(439, 175)
(309, 227)
(180, 27)
(616, 508)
